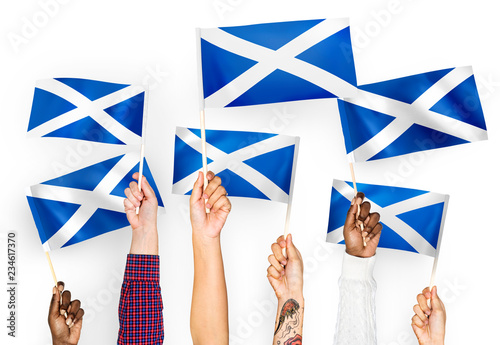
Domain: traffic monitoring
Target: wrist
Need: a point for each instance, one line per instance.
(144, 241)
(296, 295)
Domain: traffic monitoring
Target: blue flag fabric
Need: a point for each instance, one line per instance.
(88, 110)
(85, 203)
(252, 165)
(416, 113)
(412, 220)
(276, 62)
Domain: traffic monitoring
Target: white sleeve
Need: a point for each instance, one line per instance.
(356, 313)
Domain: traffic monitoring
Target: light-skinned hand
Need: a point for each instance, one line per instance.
(208, 225)
(429, 323)
(285, 274)
(144, 228)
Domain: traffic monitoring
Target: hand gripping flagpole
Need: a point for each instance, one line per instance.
(202, 112)
(143, 139)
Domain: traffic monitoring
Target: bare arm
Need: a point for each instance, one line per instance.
(286, 277)
(209, 311)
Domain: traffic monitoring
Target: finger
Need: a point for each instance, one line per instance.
(131, 197)
(73, 309)
(134, 188)
(78, 318)
(275, 263)
(219, 192)
(197, 189)
(291, 251)
(129, 206)
(211, 187)
(418, 312)
(375, 232)
(372, 221)
(271, 271)
(281, 241)
(436, 302)
(54, 303)
(210, 175)
(359, 198)
(422, 302)
(147, 190)
(417, 321)
(222, 204)
(129, 210)
(66, 299)
(364, 211)
(426, 292)
(60, 286)
(278, 253)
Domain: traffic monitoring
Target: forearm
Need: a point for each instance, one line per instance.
(289, 320)
(356, 312)
(209, 311)
(140, 309)
(144, 241)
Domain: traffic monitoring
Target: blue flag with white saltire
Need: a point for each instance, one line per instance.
(89, 110)
(85, 203)
(252, 165)
(415, 113)
(412, 219)
(276, 62)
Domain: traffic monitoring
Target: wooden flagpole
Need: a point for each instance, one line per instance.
(438, 247)
(361, 225)
(351, 166)
(141, 167)
(143, 140)
(290, 194)
(202, 112)
(51, 268)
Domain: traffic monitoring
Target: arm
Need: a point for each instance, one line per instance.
(429, 323)
(140, 309)
(209, 311)
(65, 330)
(286, 277)
(356, 313)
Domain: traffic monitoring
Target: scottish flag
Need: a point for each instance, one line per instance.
(412, 220)
(85, 203)
(276, 62)
(416, 113)
(88, 110)
(252, 165)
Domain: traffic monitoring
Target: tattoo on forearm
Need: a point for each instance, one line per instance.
(288, 322)
(297, 340)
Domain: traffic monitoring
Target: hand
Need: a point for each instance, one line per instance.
(144, 230)
(65, 330)
(429, 323)
(146, 199)
(352, 231)
(285, 275)
(203, 223)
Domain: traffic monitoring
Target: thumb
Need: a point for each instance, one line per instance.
(435, 300)
(350, 220)
(54, 303)
(291, 250)
(197, 188)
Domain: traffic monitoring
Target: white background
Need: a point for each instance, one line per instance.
(154, 41)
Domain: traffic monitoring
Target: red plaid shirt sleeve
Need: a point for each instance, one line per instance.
(141, 308)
